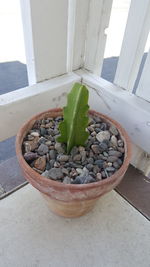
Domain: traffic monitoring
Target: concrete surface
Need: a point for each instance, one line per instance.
(114, 234)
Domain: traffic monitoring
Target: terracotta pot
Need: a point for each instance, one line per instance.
(70, 200)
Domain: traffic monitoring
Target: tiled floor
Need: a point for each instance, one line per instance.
(114, 234)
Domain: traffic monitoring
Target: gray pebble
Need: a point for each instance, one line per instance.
(89, 166)
(89, 179)
(65, 171)
(62, 158)
(74, 151)
(110, 169)
(99, 162)
(96, 169)
(55, 173)
(42, 149)
(112, 159)
(59, 148)
(90, 160)
(77, 157)
(115, 153)
(52, 161)
(67, 180)
(103, 146)
(45, 174)
(43, 131)
(116, 165)
(113, 130)
(48, 166)
(113, 141)
(52, 154)
(119, 162)
(96, 149)
(103, 135)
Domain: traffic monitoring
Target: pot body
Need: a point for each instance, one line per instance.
(71, 200)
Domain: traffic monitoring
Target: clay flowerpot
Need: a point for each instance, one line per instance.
(71, 200)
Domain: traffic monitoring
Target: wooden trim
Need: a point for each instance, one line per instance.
(136, 32)
(18, 106)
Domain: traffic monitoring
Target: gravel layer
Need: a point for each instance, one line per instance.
(101, 157)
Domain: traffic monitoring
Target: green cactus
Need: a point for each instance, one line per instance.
(73, 127)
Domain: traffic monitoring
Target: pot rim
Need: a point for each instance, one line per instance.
(73, 187)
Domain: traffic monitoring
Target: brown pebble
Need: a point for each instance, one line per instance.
(40, 163)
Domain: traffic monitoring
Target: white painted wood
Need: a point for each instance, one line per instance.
(132, 112)
(143, 89)
(99, 14)
(28, 40)
(137, 29)
(140, 160)
(18, 106)
(45, 24)
(81, 18)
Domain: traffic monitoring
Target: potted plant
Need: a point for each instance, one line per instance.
(73, 156)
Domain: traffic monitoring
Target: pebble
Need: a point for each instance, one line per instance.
(31, 145)
(97, 119)
(77, 157)
(30, 137)
(52, 154)
(52, 162)
(42, 140)
(116, 165)
(61, 158)
(83, 155)
(90, 160)
(35, 134)
(55, 173)
(48, 166)
(74, 151)
(30, 156)
(121, 149)
(67, 180)
(120, 143)
(115, 153)
(96, 149)
(112, 158)
(42, 131)
(48, 143)
(103, 146)
(99, 176)
(89, 179)
(99, 162)
(103, 126)
(104, 135)
(110, 169)
(79, 171)
(65, 171)
(113, 140)
(81, 148)
(40, 163)
(45, 174)
(42, 149)
(119, 162)
(59, 148)
(113, 130)
(96, 169)
(89, 167)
